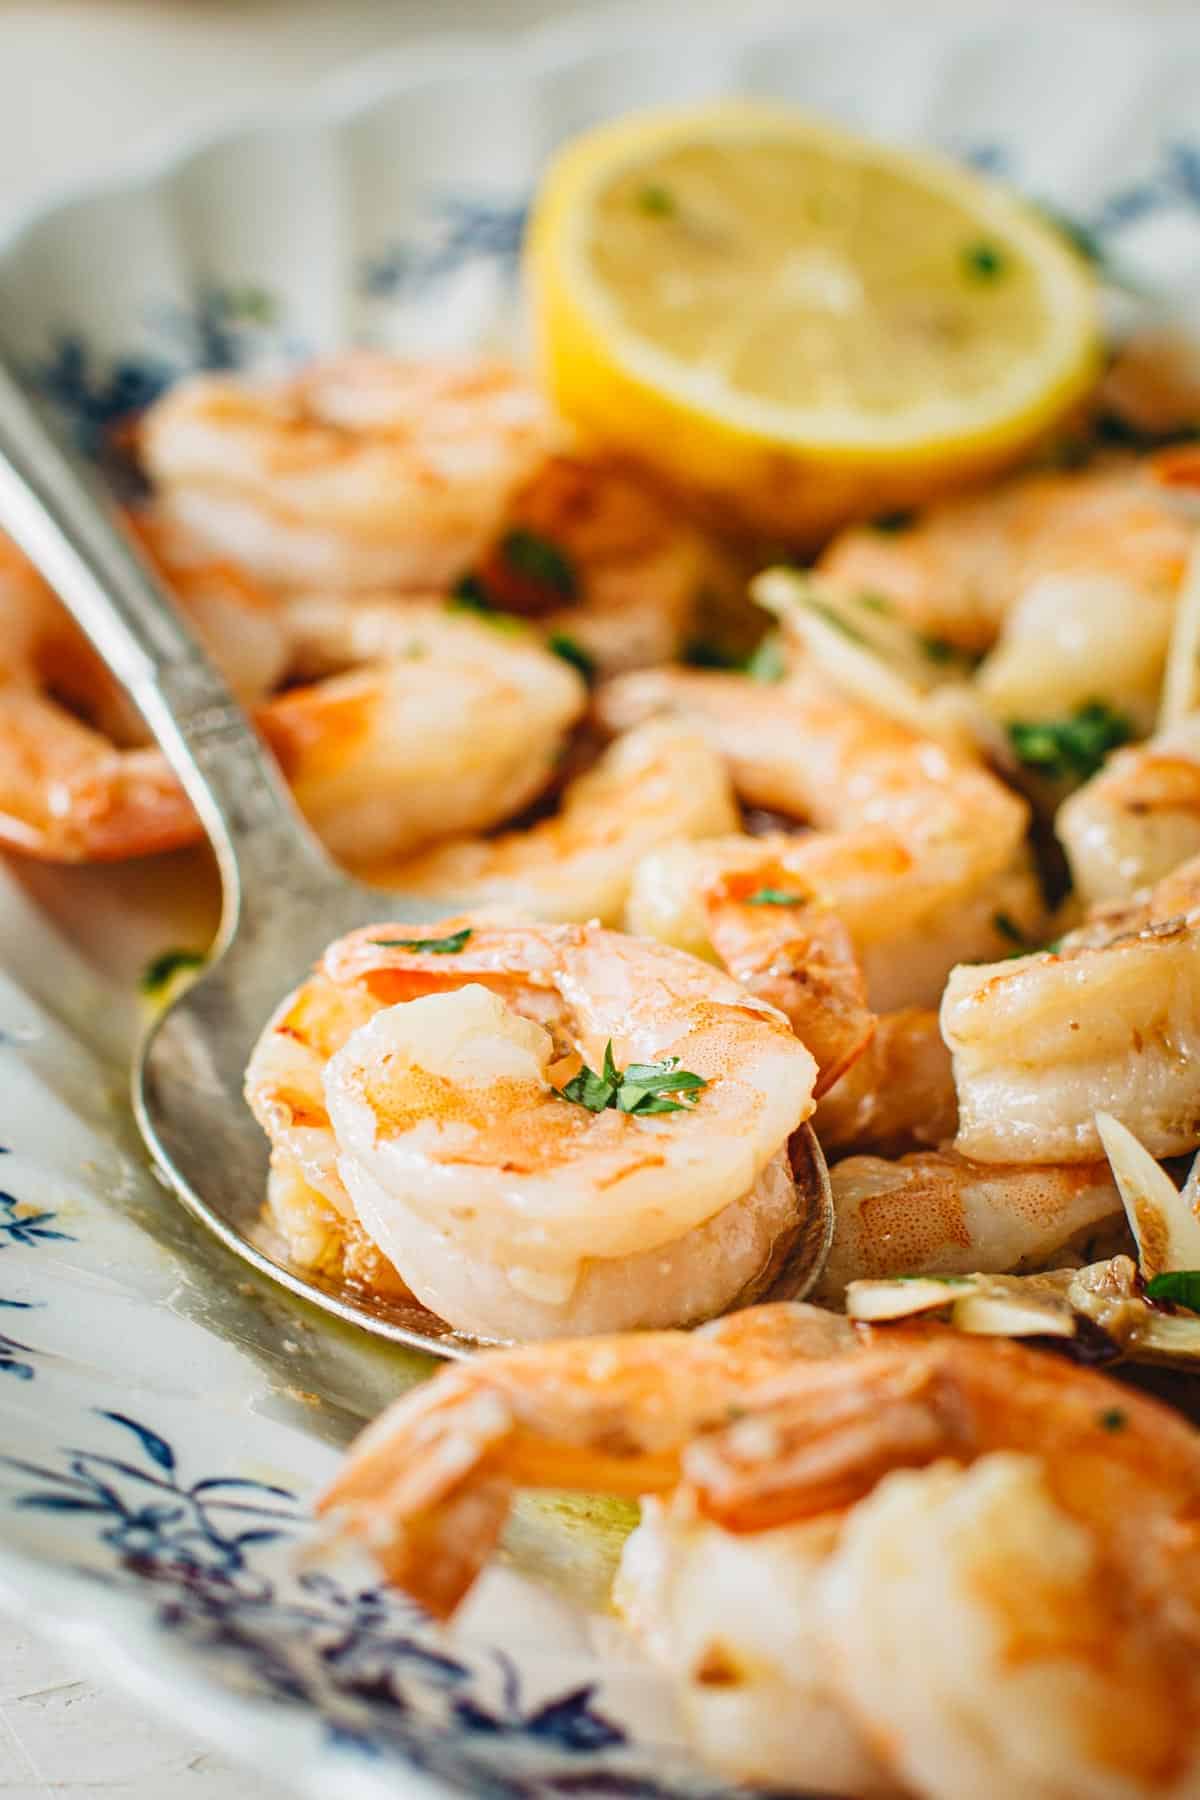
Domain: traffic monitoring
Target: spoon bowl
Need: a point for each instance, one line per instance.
(283, 900)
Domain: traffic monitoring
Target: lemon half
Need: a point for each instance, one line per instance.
(797, 325)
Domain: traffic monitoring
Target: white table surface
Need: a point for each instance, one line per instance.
(81, 83)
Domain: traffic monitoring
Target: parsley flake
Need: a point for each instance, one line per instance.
(769, 896)
(984, 262)
(163, 968)
(541, 561)
(876, 603)
(1074, 748)
(470, 595)
(642, 1088)
(573, 653)
(893, 522)
(1180, 1286)
(656, 201)
(1008, 928)
(938, 649)
(445, 946)
(1113, 1418)
(766, 663)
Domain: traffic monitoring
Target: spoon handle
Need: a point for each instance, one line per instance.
(55, 511)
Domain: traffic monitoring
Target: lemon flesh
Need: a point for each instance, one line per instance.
(798, 325)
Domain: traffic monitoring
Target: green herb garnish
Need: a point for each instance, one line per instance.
(1071, 748)
(161, 969)
(938, 649)
(1008, 928)
(541, 561)
(766, 662)
(1113, 1418)
(769, 896)
(470, 595)
(573, 653)
(658, 202)
(893, 522)
(446, 946)
(984, 262)
(703, 653)
(642, 1088)
(832, 617)
(876, 603)
(1181, 1286)
(942, 1280)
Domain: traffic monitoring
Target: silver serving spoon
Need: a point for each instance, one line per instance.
(283, 899)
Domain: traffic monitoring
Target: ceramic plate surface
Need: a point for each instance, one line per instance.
(163, 1418)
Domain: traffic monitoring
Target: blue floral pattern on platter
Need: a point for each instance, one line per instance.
(364, 1661)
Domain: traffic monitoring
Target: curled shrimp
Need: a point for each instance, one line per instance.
(508, 1208)
(898, 1095)
(358, 471)
(651, 786)
(957, 570)
(1136, 820)
(1109, 1021)
(934, 1212)
(77, 780)
(594, 552)
(382, 743)
(972, 1565)
(429, 1485)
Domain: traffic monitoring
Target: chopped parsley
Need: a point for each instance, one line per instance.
(893, 522)
(876, 603)
(1008, 928)
(163, 968)
(1073, 748)
(642, 1088)
(656, 201)
(1181, 1286)
(941, 1280)
(938, 649)
(769, 896)
(703, 653)
(832, 617)
(573, 653)
(445, 946)
(539, 560)
(984, 262)
(766, 662)
(1113, 1418)
(470, 595)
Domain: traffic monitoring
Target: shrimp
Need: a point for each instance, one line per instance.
(898, 1095)
(936, 1213)
(1136, 820)
(77, 782)
(1107, 1022)
(429, 1485)
(907, 931)
(653, 785)
(800, 748)
(595, 553)
(446, 1124)
(358, 471)
(971, 1568)
(388, 755)
(957, 571)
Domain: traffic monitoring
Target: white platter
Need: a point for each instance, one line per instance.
(162, 1418)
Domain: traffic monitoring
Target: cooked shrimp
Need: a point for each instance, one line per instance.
(428, 1486)
(358, 471)
(390, 756)
(800, 748)
(1107, 1022)
(1136, 820)
(509, 1209)
(898, 1095)
(936, 1213)
(908, 925)
(593, 551)
(1008, 1603)
(653, 785)
(76, 782)
(959, 569)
